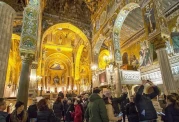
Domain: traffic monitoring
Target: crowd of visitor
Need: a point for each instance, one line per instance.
(97, 107)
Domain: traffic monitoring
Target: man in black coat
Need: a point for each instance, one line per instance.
(144, 104)
(68, 111)
(131, 111)
(117, 101)
(32, 111)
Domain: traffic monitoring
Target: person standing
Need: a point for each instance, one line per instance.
(123, 104)
(19, 114)
(45, 114)
(3, 115)
(144, 104)
(69, 111)
(60, 94)
(131, 111)
(85, 101)
(96, 110)
(32, 111)
(172, 109)
(58, 108)
(78, 111)
(110, 110)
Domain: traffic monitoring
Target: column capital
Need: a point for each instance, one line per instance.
(159, 43)
(28, 58)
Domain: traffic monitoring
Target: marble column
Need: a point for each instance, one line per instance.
(7, 15)
(167, 76)
(24, 80)
(118, 81)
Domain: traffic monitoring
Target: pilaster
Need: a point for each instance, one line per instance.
(167, 76)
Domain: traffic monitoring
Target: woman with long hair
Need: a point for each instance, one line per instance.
(110, 111)
(45, 114)
(172, 109)
(58, 108)
(78, 111)
(18, 115)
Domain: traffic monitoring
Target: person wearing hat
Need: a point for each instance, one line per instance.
(32, 111)
(96, 110)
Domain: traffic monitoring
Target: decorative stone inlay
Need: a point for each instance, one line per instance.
(130, 77)
(153, 76)
(97, 45)
(175, 70)
(174, 59)
(153, 72)
(29, 35)
(117, 28)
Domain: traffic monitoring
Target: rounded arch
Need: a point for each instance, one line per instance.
(77, 62)
(77, 31)
(57, 57)
(98, 43)
(67, 26)
(124, 12)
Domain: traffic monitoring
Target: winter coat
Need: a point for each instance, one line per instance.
(68, 113)
(32, 111)
(3, 116)
(78, 113)
(96, 110)
(18, 118)
(46, 116)
(123, 105)
(144, 104)
(58, 108)
(110, 113)
(131, 112)
(171, 114)
(117, 101)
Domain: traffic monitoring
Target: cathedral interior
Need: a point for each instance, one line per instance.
(48, 46)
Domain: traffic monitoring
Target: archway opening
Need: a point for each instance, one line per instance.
(121, 17)
(65, 52)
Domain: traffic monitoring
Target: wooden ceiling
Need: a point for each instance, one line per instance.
(134, 21)
(132, 25)
(167, 4)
